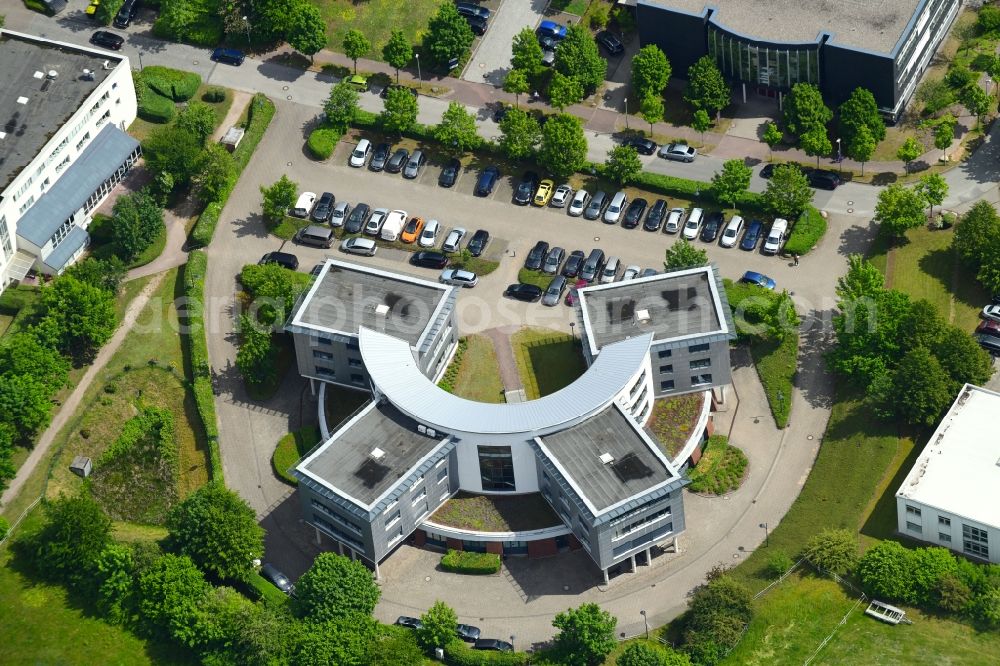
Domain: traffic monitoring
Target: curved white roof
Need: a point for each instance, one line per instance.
(395, 373)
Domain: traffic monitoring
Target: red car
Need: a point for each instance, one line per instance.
(572, 296)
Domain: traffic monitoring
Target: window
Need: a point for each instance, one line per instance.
(60, 235)
(391, 520)
(354, 362)
(914, 527)
(340, 520)
(694, 349)
(325, 372)
(667, 385)
(664, 353)
(944, 521)
(701, 380)
(913, 510)
(975, 541)
(496, 468)
(420, 496)
(625, 529)
(325, 341)
(339, 534)
(701, 363)
(353, 344)
(322, 355)
(944, 538)
(440, 462)
(666, 369)
(442, 475)
(81, 142)
(357, 379)
(396, 537)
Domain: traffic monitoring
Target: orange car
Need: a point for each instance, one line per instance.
(411, 232)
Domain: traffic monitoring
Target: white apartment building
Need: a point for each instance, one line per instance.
(951, 497)
(63, 147)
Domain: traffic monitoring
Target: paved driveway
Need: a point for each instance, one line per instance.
(491, 60)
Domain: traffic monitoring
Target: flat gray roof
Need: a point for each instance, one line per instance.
(635, 468)
(32, 106)
(671, 305)
(345, 297)
(346, 461)
(873, 25)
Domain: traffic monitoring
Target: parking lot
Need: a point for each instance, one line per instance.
(491, 59)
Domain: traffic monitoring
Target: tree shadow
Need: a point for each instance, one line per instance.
(884, 178)
(858, 238)
(938, 264)
(281, 67)
(881, 522)
(815, 340)
(252, 225)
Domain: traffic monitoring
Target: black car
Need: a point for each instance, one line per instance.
(478, 24)
(494, 644)
(610, 42)
(478, 242)
(525, 190)
(108, 40)
(573, 263)
(323, 208)
(472, 9)
(409, 622)
(449, 174)
(398, 160)
(379, 157)
(755, 231)
(487, 181)
(127, 12)
(642, 145)
(536, 256)
(826, 180)
(467, 632)
(712, 227)
(633, 214)
(285, 259)
(427, 259)
(276, 578)
(393, 86)
(657, 214)
(356, 220)
(523, 292)
(233, 57)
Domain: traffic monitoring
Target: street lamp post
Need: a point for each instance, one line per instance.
(840, 158)
(512, 637)
(572, 329)
(767, 539)
(626, 113)
(645, 621)
(246, 22)
(417, 56)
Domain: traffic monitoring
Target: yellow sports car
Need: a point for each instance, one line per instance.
(544, 193)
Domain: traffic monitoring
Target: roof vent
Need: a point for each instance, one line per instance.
(88, 75)
(52, 74)
(421, 428)
(39, 74)
(607, 458)
(107, 64)
(22, 100)
(431, 432)
(377, 454)
(381, 314)
(641, 317)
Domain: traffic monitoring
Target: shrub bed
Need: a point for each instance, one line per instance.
(457, 653)
(691, 189)
(322, 141)
(720, 469)
(204, 228)
(475, 564)
(154, 107)
(173, 84)
(451, 373)
(806, 232)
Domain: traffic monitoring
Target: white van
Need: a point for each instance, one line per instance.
(393, 225)
(693, 224)
(615, 208)
(610, 271)
(775, 237)
(732, 233)
(429, 236)
(360, 154)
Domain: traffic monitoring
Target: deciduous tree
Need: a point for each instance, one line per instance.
(400, 111)
(398, 51)
(519, 134)
(700, 122)
(977, 233)
(563, 150)
(651, 109)
(255, 358)
(438, 626)
(564, 91)
(586, 635)
(356, 45)
(198, 118)
(861, 147)
(526, 52)
(172, 150)
(733, 181)
(816, 143)
(448, 35)
(516, 83)
(307, 31)
(577, 57)
(341, 106)
(898, 209)
(106, 11)
(885, 570)
(334, 587)
(216, 173)
(919, 392)
(137, 221)
(862, 279)
(975, 100)
(834, 550)
(457, 130)
(75, 534)
(772, 137)
(683, 254)
(788, 192)
(963, 359)
(26, 404)
(77, 318)
(933, 188)
(805, 110)
(623, 164)
(170, 594)
(944, 134)
(650, 71)
(651, 654)
(706, 89)
(909, 151)
(860, 110)
(278, 198)
(24, 354)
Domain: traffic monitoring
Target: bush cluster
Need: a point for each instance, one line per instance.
(721, 467)
(719, 611)
(806, 232)
(457, 653)
(214, 95)
(686, 188)
(322, 141)
(174, 84)
(475, 564)
(451, 373)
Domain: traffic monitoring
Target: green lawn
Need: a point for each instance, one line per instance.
(288, 227)
(290, 448)
(16, 305)
(376, 19)
(775, 362)
(141, 129)
(497, 513)
(673, 419)
(536, 278)
(720, 469)
(546, 360)
(474, 373)
(577, 7)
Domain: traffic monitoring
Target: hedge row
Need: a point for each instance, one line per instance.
(686, 188)
(465, 562)
(193, 325)
(173, 84)
(258, 118)
(153, 107)
(806, 232)
(322, 141)
(457, 653)
(451, 373)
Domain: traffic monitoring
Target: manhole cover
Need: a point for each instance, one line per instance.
(427, 578)
(850, 210)
(810, 438)
(850, 203)
(288, 97)
(736, 556)
(288, 164)
(284, 87)
(194, 62)
(597, 238)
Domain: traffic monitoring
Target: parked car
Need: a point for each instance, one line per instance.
(592, 265)
(615, 208)
(107, 39)
(574, 292)
(596, 206)
(989, 327)
(634, 213)
(478, 242)
(524, 292)
(553, 293)
(494, 644)
(642, 145)
(732, 233)
(775, 237)
(750, 239)
(414, 164)
(487, 180)
(339, 214)
(356, 220)
(713, 225)
(453, 242)
(429, 236)
(548, 57)
(824, 180)
(573, 263)
(449, 174)
(759, 279)
(553, 260)
(271, 574)
(380, 155)
(126, 14)
(429, 259)
(610, 271)
(654, 219)
(536, 256)
(467, 632)
(551, 29)
(303, 205)
(374, 224)
(679, 152)
(360, 153)
(990, 344)
(409, 622)
(472, 9)
(544, 193)
(478, 24)
(579, 203)
(611, 44)
(991, 312)
(648, 272)
(526, 188)
(673, 223)
(358, 82)
(285, 259)
(412, 230)
(397, 161)
(359, 245)
(324, 207)
(316, 236)
(459, 277)
(393, 224)
(561, 195)
(233, 57)
(693, 224)
(631, 272)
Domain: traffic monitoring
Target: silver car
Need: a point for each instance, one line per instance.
(416, 161)
(561, 196)
(579, 203)
(358, 245)
(454, 240)
(459, 277)
(339, 214)
(553, 293)
(679, 152)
